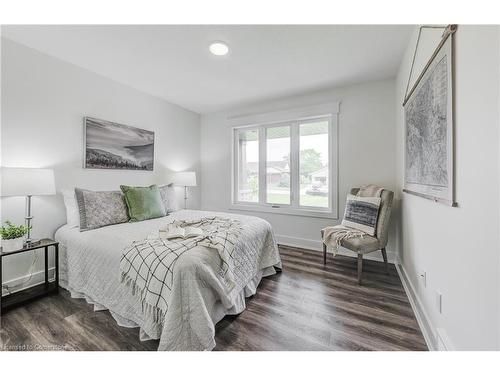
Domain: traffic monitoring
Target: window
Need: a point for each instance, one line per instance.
(278, 165)
(287, 167)
(248, 165)
(313, 164)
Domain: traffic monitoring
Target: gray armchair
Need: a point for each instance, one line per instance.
(368, 244)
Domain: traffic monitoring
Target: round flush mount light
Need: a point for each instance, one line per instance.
(219, 48)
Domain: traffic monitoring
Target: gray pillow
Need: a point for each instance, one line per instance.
(361, 213)
(100, 208)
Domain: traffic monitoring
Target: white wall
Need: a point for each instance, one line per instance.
(43, 102)
(366, 153)
(458, 248)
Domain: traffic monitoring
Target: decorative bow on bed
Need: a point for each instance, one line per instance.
(148, 266)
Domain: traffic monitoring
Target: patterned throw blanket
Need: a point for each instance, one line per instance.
(148, 266)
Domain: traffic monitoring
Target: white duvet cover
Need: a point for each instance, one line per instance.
(90, 269)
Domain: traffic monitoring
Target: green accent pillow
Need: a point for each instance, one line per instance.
(143, 203)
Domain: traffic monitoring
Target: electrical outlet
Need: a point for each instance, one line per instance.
(439, 302)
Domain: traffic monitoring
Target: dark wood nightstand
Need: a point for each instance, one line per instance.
(27, 295)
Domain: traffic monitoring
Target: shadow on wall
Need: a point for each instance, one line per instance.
(396, 230)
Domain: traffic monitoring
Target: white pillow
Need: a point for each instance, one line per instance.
(168, 197)
(72, 213)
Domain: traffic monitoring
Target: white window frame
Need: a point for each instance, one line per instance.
(292, 118)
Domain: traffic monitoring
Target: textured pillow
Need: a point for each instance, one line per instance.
(167, 194)
(143, 202)
(72, 215)
(361, 213)
(100, 208)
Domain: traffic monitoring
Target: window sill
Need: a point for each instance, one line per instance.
(284, 211)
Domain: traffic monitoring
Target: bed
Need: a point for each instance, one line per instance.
(89, 268)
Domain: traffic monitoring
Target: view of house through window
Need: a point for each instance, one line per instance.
(313, 164)
(296, 159)
(248, 165)
(278, 165)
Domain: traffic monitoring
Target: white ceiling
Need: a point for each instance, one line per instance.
(264, 62)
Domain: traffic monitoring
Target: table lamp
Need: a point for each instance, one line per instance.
(27, 182)
(185, 179)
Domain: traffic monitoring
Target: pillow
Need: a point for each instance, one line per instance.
(100, 208)
(143, 202)
(72, 215)
(362, 213)
(167, 194)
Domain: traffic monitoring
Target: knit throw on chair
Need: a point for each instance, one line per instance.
(333, 236)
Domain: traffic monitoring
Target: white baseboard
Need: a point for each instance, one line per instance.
(424, 322)
(443, 341)
(317, 245)
(37, 278)
(299, 242)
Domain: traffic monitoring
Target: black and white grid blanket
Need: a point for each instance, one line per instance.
(147, 266)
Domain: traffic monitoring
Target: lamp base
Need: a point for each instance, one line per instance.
(185, 197)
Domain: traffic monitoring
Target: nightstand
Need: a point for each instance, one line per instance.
(22, 297)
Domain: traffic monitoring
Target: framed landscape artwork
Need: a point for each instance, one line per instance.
(428, 111)
(108, 145)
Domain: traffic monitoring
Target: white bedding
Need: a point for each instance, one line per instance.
(90, 262)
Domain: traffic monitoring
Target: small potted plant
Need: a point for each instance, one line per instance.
(12, 236)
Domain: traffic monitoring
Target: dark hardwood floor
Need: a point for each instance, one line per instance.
(308, 306)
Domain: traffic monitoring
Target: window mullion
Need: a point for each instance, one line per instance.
(235, 165)
(262, 166)
(294, 165)
(331, 176)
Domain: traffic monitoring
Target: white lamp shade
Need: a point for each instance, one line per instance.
(27, 181)
(185, 179)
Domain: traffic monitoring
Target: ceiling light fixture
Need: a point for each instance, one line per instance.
(219, 48)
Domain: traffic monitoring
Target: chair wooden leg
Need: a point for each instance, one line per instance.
(384, 255)
(360, 267)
